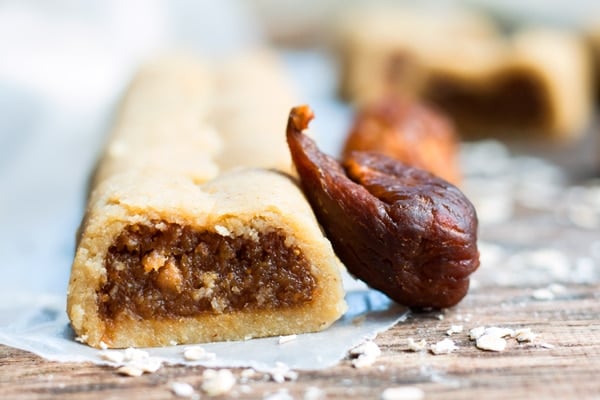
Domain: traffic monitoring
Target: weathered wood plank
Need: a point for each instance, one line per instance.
(571, 323)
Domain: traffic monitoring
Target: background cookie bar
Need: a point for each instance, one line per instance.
(535, 80)
(174, 246)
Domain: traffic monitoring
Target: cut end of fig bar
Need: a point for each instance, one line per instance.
(235, 269)
(400, 229)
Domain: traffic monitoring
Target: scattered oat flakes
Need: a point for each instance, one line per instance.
(197, 353)
(365, 354)
(499, 332)
(543, 294)
(247, 374)
(130, 370)
(313, 393)
(368, 348)
(150, 364)
(245, 389)
(217, 382)
(114, 356)
(181, 389)
(475, 333)
(524, 335)
(363, 361)
(132, 354)
(403, 393)
(287, 339)
(454, 329)
(81, 339)
(281, 394)
(491, 342)
(557, 288)
(281, 373)
(416, 346)
(445, 346)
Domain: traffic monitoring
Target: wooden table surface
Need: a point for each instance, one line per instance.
(570, 369)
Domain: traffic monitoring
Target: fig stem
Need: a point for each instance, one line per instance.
(299, 118)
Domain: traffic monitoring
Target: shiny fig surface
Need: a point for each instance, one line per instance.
(400, 229)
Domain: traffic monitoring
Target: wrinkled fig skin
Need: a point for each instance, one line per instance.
(400, 229)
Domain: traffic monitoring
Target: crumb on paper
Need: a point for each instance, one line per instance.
(416, 346)
(81, 339)
(491, 343)
(359, 320)
(403, 393)
(173, 343)
(524, 335)
(217, 382)
(113, 356)
(365, 354)
(136, 362)
(132, 354)
(445, 346)
(198, 353)
(103, 345)
(454, 329)
(287, 338)
(182, 389)
(440, 317)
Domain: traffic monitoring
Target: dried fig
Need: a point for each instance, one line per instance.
(409, 131)
(400, 229)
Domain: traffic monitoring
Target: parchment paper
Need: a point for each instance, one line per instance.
(39, 324)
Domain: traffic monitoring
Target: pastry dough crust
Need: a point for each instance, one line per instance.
(170, 161)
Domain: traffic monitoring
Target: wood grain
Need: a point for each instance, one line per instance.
(571, 369)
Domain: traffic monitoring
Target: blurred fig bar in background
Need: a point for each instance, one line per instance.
(185, 238)
(535, 80)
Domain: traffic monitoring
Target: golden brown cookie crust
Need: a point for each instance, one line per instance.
(173, 176)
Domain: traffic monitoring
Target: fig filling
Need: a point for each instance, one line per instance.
(514, 99)
(166, 270)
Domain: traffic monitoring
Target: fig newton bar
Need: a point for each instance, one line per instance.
(180, 244)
